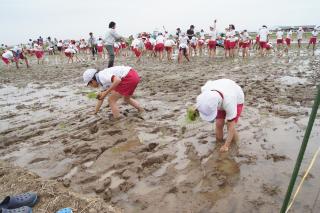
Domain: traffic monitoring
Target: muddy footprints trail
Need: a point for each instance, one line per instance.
(161, 163)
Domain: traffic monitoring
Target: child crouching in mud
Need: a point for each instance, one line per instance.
(118, 81)
(219, 100)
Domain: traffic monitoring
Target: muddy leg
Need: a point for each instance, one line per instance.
(112, 99)
(133, 103)
(219, 130)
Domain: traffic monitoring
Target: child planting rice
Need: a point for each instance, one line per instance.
(119, 82)
(220, 100)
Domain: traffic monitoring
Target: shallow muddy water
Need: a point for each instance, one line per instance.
(164, 163)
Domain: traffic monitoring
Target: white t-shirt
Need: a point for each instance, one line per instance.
(160, 39)
(194, 40)
(152, 41)
(245, 37)
(59, 44)
(232, 35)
(136, 43)
(169, 43)
(315, 33)
(183, 41)
(289, 34)
(213, 35)
(227, 35)
(263, 33)
(8, 55)
(116, 45)
(105, 76)
(100, 43)
(232, 95)
(279, 35)
(202, 35)
(300, 34)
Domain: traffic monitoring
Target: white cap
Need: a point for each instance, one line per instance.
(15, 49)
(88, 75)
(207, 105)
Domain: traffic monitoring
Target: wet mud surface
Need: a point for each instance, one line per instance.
(163, 163)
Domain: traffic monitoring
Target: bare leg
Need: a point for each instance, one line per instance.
(112, 99)
(219, 130)
(133, 103)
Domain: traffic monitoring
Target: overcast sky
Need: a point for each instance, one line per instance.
(74, 19)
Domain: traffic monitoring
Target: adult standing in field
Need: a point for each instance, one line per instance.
(111, 37)
(300, 33)
(313, 40)
(190, 34)
(264, 38)
(178, 32)
(92, 42)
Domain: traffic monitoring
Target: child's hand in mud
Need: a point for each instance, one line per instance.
(224, 148)
(101, 95)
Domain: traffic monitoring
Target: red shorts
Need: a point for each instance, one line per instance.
(159, 47)
(100, 49)
(194, 46)
(5, 60)
(39, 54)
(232, 44)
(288, 41)
(263, 44)
(227, 44)
(268, 47)
(200, 43)
(137, 52)
(258, 39)
(123, 45)
(313, 40)
(245, 45)
(148, 46)
(221, 114)
(128, 83)
(279, 41)
(168, 49)
(31, 52)
(68, 54)
(212, 44)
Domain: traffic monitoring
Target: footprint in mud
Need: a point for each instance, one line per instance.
(83, 149)
(149, 162)
(270, 189)
(276, 157)
(94, 129)
(36, 160)
(113, 132)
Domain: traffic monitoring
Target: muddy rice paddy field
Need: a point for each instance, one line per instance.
(51, 143)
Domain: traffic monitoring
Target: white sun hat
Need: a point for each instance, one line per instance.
(207, 105)
(88, 75)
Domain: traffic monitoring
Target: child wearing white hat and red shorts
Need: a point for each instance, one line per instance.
(221, 100)
(119, 82)
(14, 55)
